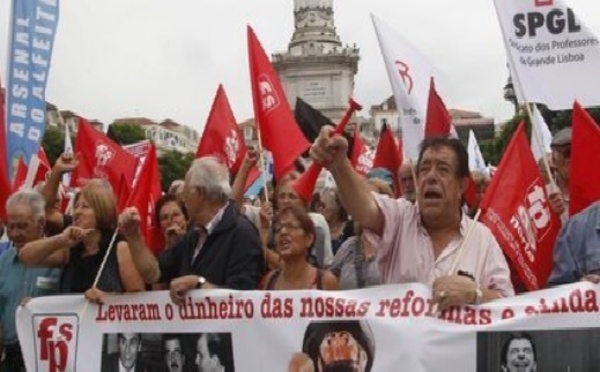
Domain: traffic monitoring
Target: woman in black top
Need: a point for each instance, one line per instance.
(80, 248)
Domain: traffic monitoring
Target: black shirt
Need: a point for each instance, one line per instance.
(231, 256)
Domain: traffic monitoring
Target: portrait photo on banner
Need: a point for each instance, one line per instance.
(569, 350)
(167, 352)
(344, 345)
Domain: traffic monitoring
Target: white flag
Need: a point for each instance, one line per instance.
(476, 162)
(410, 75)
(553, 57)
(66, 178)
(541, 138)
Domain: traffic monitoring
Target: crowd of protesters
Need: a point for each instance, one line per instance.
(353, 236)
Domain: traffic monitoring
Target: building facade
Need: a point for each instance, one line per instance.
(167, 135)
(317, 67)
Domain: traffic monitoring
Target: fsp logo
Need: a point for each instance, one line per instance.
(533, 220)
(104, 154)
(268, 96)
(232, 147)
(56, 343)
(539, 3)
(403, 70)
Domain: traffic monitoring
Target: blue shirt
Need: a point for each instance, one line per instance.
(577, 250)
(4, 246)
(17, 282)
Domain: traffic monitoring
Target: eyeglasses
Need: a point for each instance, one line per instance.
(288, 227)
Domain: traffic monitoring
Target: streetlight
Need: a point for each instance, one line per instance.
(510, 95)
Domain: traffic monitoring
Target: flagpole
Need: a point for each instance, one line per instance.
(100, 270)
(463, 245)
(261, 159)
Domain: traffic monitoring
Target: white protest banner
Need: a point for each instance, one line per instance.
(410, 75)
(553, 57)
(390, 328)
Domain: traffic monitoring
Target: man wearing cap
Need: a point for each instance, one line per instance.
(561, 156)
(431, 241)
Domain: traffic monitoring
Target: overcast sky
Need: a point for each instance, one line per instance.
(165, 58)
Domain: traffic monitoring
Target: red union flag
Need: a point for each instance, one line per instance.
(361, 158)
(101, 158)
(222, 137)
(516, 209)
(280, 133)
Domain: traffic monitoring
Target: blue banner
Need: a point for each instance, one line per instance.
(33, 27)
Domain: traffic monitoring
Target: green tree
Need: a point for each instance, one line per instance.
(126, 134)
(492, 150)
(173, 166)
(54, 143)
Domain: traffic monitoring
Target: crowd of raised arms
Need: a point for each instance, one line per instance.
(354, 235)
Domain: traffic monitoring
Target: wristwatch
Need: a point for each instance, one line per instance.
(478, 296)
(201, 281)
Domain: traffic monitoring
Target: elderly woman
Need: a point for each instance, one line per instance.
(355, 263)
(172, 219)
(80, 248)
(294, 237)
(331, 208)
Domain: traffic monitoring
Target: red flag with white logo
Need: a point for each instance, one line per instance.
(584, 180)
(222, 136)
(280, 133)
(515, 208)
(100, 157)
(361, 158)
(388, 155)
(144, 196)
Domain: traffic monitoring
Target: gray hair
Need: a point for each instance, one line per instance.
(211, 175)
(31, 198)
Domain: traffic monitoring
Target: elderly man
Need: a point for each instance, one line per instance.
(424, 242)
(222, 249)
(407, 182)
(18, 282)
(519, 354)
(577, 249)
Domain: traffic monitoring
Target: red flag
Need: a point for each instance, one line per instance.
(279, 131)
(145, 194)
(123, 194)
(5, 186)
(388, 155)
(361, 160)
(222, 136)
(438, 122)
(516, 209)
(471, 192)
(584, 178)
(40, 174)
(100, 157)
